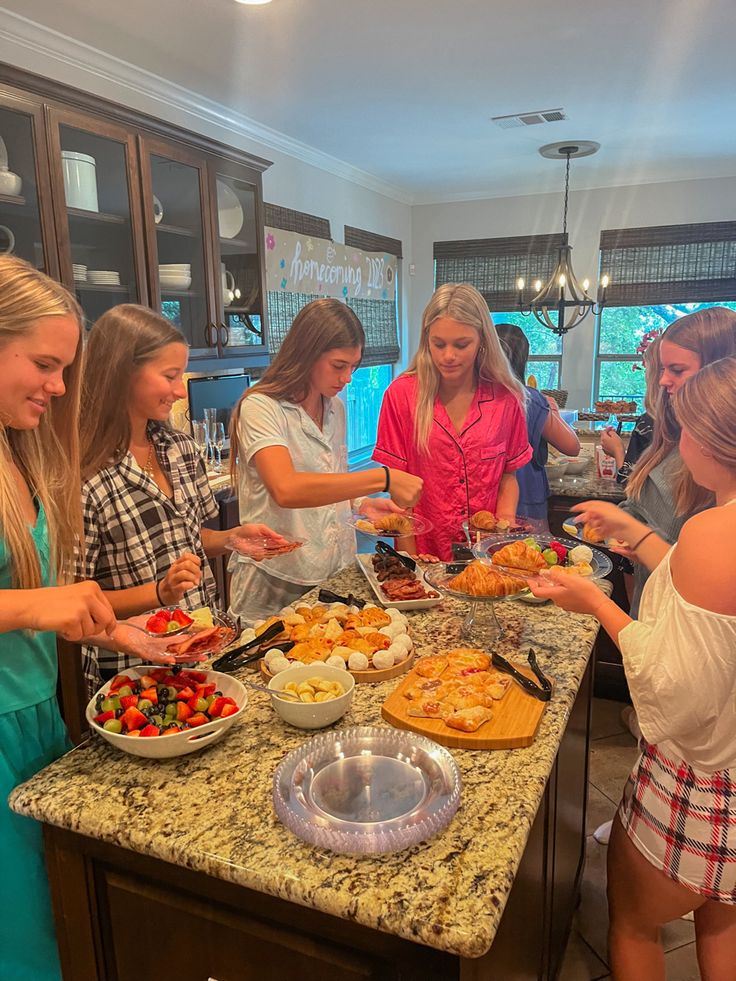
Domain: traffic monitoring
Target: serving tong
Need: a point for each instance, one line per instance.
(327, 596)
(239, 657)
(383, 548)
(542, 691)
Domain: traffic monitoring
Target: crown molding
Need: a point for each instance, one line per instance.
(25, 36)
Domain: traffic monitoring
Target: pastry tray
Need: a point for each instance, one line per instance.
(367, 790)
(365, 565)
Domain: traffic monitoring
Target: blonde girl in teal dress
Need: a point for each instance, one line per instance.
(40, 353)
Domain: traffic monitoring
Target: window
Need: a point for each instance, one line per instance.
(620, 331)
(363, 398)
(658, 274)
(545, 348)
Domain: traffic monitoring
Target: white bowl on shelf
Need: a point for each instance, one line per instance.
(312, 715)
(10, 183)
(80, 180)
(174, 266)
(175, 282)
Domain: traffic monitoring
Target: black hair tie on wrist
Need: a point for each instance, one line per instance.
(387, 485)
(158, 595)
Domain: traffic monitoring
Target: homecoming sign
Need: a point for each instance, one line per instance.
(305, 264)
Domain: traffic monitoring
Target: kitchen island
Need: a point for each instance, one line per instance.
(180, 868)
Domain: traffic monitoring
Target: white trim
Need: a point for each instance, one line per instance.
(51, 45)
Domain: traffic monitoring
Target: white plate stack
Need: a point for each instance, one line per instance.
(103, 277)
(175, 276)
(80, 272)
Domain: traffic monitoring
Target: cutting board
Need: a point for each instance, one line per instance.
(515, 721)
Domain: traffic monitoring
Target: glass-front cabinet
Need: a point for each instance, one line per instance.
(98, 212)
(26, 220)
(241, 320)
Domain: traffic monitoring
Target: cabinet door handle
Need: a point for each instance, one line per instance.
(208, 342)
(225, 337)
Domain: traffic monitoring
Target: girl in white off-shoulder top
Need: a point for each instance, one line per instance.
(673, 846)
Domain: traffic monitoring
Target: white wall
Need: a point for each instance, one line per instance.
(589, 212)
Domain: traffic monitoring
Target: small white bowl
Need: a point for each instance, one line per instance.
(311, 715)
(556, 470)
(576, 466)
(182, 743)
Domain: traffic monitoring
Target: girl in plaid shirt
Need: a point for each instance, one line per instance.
(673, 845)
(145, 493)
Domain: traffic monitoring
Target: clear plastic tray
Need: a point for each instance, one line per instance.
(367, 790)
(365, 525)
(600, 564)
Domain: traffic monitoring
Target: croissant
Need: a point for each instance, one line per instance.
(519, 555)
(590, 534)
(480, 580)
(394, 524)
(484, 520)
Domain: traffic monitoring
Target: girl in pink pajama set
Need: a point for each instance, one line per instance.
(456, 419)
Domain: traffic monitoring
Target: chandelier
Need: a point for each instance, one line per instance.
(562, 295)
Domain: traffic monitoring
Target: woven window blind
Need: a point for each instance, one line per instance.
(359, 238)
(282, 308)
(493, 265)
(296, 221)
(670, 263)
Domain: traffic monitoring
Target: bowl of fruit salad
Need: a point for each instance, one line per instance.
(159, 713)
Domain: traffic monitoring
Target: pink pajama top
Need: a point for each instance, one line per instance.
(462, 471)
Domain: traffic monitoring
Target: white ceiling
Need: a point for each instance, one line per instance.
(404, 89)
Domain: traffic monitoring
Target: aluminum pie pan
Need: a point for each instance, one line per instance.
(367, 790)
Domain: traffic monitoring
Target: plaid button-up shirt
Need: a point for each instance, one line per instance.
(133, 531)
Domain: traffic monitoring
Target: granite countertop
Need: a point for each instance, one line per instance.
(587, 486)
(212, 811)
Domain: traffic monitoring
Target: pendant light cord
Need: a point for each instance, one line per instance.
(567, 188)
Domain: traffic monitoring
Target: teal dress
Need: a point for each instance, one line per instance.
(32, 735)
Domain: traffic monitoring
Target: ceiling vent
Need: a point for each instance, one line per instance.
(529, 118)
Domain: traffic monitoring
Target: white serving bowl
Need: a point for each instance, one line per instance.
(188, 741)
(183, 267)
(311, 715)
(556, 470)
(576, 466)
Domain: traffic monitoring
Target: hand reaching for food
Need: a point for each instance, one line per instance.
(573, 593)
(259, 542)
(609, 521)
(405, 489)
(184, 574)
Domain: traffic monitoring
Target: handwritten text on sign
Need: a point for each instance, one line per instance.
(305, 264)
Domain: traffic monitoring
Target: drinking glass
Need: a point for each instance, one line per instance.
(219, 442)
(210, 421)
(201, 438)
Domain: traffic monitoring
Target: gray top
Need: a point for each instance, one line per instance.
(655, 506)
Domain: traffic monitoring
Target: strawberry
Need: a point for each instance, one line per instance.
(151, 694)
(204, 690)
(133, 732)
(183, 712)
(133, 719)
(150, 730)
(102, 718)
(127, 700)
(194, 677)
(158, 675)
(118, 681)
(216, 707)
(146, 680)
(560, 549)
(180, 617)
(198, 719)
(171, 731)
(185, 694)
(229, 709)
(156, 624)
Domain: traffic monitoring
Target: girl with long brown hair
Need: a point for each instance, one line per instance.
(145, 493)
(456, 418)
(289, 460)
(40, 520)
(673, 845)
(660, 491)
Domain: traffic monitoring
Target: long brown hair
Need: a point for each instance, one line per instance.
(120, 342)
(705, 407)
(47, 456)
(320, 326)
(463, 303)
(711, 334)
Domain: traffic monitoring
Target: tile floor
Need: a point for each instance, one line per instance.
(612, 754)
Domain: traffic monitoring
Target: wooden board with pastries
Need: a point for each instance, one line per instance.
(318, 632)
(514, 716)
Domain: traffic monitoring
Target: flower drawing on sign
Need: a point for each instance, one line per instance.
(310, 245)
(344, 291)
(283, 283)
(282, 264)
(270, 242)
(389, 274)
(385, 294)
(330, 253)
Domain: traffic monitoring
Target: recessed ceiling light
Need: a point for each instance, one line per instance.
(253, 2)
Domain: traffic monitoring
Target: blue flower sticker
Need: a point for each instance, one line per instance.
(385, 294)
(282, 264)
(283, 283)
(344, 291)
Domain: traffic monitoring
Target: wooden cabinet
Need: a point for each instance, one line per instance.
(126, 209)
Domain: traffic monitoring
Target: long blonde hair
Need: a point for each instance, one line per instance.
(320, 326)
(463, 303)
(120, 342)
(47, 456)
(711, 334)
(705, 407)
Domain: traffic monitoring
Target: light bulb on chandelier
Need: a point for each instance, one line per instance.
(562, 303)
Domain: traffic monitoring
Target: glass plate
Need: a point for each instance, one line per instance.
(167, 633)
(219, 619)
(262, 547)
(601, 564)
(529, 526)
(363, 524)
(439, 577)
(367, 790)
(576, 531)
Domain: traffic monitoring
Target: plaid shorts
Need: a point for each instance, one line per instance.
(683, 822)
